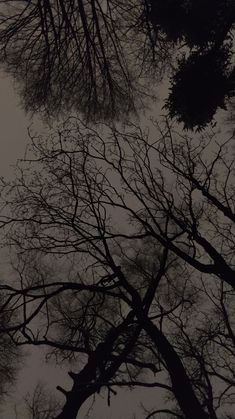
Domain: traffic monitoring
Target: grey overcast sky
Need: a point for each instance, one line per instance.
(13, 122)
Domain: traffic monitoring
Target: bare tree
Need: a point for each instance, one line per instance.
(90, 201)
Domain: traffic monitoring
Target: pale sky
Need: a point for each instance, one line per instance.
(13, 122)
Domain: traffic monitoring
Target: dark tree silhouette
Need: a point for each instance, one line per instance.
(202, 82)
(199, 23)
(168, 16)
(113, 300)
(200, 86)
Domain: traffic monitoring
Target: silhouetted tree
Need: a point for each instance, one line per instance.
(66, 202)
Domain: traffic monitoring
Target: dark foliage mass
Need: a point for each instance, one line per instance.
(200, 86)
(198, 22)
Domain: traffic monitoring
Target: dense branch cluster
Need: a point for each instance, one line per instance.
(67, 53)
(74, 55)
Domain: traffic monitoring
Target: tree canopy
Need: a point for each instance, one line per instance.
(103, 58)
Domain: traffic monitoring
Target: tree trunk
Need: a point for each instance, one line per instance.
(181, 385)
(74, 401)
